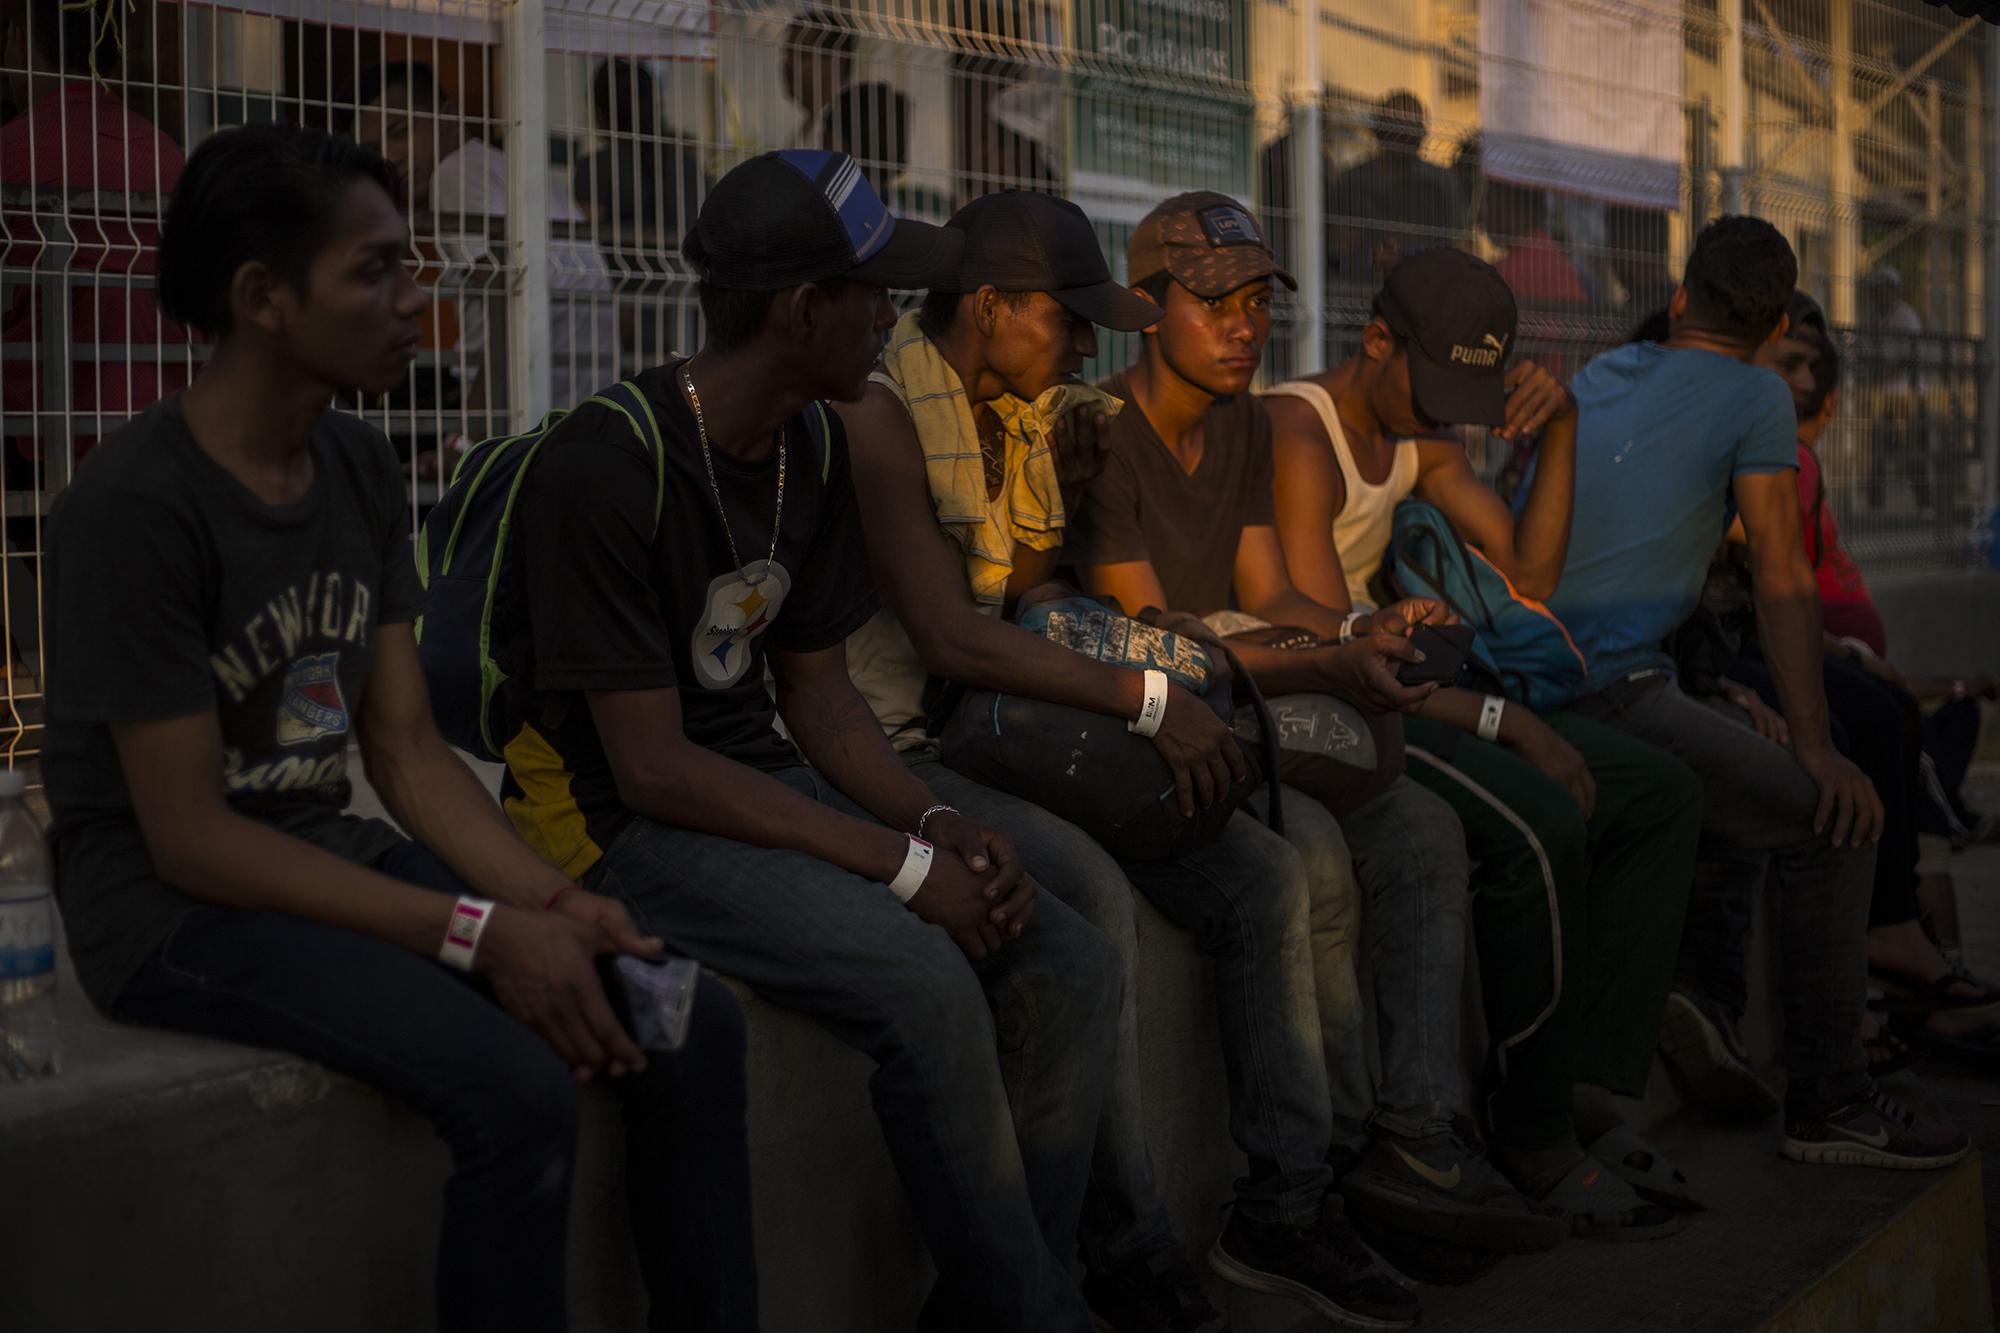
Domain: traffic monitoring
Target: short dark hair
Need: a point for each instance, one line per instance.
(1739, 278)
(255, 193)
(822, 29)
(939, 312)
(734, 317)
(415, 75)
(626, 99)
(78, 39)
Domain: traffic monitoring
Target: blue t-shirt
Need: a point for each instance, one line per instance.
(1662, 433)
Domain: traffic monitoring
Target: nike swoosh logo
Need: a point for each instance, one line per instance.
(1879, 1139)
(1448, 1180)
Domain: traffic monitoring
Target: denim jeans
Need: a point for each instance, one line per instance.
(1758, 806)
(994, 1152)
(498, 1095)
(1243, 900)
(1391, 874)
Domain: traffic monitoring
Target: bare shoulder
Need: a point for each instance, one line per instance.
(1295, 423)
(879, 429)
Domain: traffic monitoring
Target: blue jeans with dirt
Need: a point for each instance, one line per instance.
(1243, 899)
(1388, 885)
(988, 1075)
(499, 1096)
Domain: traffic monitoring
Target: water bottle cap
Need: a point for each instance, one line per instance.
(13, 782)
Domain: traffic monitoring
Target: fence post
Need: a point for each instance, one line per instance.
(1989, 400)
(1309, 218)
(1734, 99)
(525, 65)
(1846, 208)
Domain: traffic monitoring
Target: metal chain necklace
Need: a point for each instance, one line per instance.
(777, 519)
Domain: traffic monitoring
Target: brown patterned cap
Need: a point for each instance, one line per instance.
(1208, 242)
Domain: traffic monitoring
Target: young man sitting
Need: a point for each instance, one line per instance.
(964, 488)
(1584, 837)
(1181, 518)
(231, 591)
(1671, 435)
(644, 755)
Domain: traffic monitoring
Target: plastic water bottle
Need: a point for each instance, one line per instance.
(28, 1043)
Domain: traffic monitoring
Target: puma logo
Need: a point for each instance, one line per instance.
(1444, 1180)
(1497, 343)
(1492, 347)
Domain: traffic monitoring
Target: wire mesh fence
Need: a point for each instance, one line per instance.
(552, 154)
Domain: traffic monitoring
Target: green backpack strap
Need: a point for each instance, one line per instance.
(629, 401)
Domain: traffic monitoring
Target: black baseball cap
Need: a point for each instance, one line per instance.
(1024, 242)
(1457, 316)
(803, 216)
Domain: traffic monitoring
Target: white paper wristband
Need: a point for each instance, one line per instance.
(1489, 717)
(916, 867)
(1154, 710)
(461, 937)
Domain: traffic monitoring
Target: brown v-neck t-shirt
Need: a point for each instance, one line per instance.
(1145, 506)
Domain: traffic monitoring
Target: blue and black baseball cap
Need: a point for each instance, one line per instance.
(804, 215)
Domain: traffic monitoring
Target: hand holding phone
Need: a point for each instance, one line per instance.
(1445, 649)
(654, 999)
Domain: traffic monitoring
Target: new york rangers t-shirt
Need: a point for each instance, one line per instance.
(172, 590)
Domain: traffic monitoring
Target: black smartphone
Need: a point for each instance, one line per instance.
(1445, 648)
(653, 999)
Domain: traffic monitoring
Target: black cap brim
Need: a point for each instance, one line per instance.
(916, 257)
(1456, 397)
(1111, 305)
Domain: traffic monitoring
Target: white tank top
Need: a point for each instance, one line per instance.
(1362, 528)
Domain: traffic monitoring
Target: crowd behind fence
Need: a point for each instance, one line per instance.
(553, 155)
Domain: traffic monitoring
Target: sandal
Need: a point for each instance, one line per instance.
(1979, 1047)
(1645, 1168)
(1905, 997)
(1887, 1053)
(1601, 1206)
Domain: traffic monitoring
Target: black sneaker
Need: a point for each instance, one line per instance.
(1702, 1046)
(1414, 1258)
(1323, 1267)
(1876, 1131)
(1158, 1295)
(1442, 1186)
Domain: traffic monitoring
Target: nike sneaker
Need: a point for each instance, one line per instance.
(1442, 1186)
(1323, 1267)
(1700, 1042)
(1877, 1131)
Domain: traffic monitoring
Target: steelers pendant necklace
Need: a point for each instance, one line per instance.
(777, 519)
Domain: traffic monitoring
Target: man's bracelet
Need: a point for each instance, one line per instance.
(1154, 710)
(461, 937)
(925, 817)
(916, 868)
(1347, 625)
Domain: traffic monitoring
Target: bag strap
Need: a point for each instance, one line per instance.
(1267, 732)
(630, 402)
(820, 429)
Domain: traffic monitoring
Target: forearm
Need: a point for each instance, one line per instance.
(1541, 533)
(839, 735)
(1459, 708)
(438, 801)
(984, 653)
(1290, 607)
(1282, 670)
(230, 860)
(697, 789)
(1788, 626)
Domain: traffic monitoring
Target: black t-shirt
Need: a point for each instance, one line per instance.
(1145, 506)
(173, 591)
(603, 603)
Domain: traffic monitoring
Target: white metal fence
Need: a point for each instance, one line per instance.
(554, 154)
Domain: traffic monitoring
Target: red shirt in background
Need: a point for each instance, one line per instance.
(82, 137)
(1847, 608)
